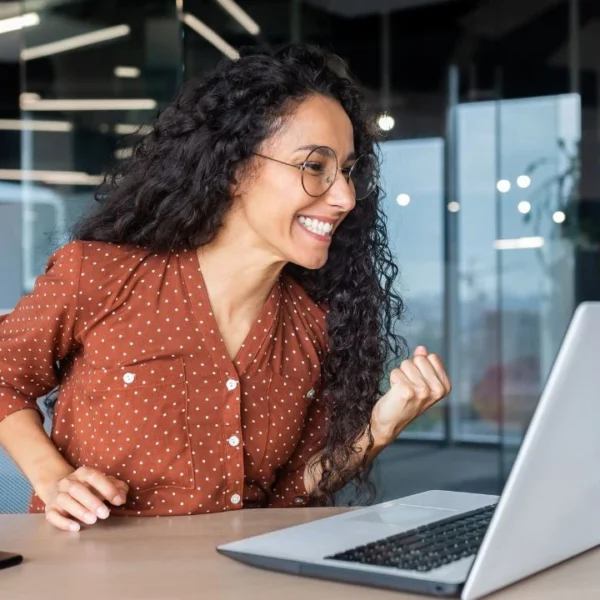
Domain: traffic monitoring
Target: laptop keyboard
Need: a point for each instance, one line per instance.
(427, 547)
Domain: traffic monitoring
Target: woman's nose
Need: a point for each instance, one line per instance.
(342, 194)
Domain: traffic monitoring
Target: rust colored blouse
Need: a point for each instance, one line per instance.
(148, 392)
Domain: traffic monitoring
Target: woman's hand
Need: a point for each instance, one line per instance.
(416, 385)
(79, 498)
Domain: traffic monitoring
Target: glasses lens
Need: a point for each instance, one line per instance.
(319, 171)
(364, 175)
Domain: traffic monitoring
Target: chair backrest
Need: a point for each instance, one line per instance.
(14, 488)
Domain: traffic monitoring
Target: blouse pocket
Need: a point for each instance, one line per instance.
(137, 421)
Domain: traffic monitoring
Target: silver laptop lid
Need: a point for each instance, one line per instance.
(548, 511)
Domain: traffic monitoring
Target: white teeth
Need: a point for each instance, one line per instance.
(316, 226)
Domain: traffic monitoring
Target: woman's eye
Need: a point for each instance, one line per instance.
(314, 168)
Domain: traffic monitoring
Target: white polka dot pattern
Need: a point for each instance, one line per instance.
(148, 393)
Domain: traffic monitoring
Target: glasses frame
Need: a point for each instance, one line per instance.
(346, 171)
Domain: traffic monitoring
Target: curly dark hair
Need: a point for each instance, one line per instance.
(175, 190)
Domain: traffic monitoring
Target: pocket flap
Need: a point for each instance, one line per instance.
(155, 372)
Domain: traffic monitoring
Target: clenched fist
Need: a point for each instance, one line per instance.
(416, 385)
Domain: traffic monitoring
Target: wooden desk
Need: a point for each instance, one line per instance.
(175, 559)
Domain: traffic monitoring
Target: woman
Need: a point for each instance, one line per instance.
(219, 327)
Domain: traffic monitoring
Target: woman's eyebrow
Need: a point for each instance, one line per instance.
(310, 147)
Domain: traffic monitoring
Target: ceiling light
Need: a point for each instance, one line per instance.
(51, 177)
(90, 104)
(127, 72)
(20, 22)
(559, 216)
(210, 36)
(122, 153)
(77, 41)
(130, 129)
(28, 97)
(34, 125)
(524, 207)
(519, 243)
(523, 181)
(403, 199)
(453, 207)
(247, 22)
(386, 122)
(503, 186)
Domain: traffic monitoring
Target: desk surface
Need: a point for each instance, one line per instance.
(175, 559)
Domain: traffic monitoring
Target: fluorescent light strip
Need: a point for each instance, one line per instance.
(127, 129)
(32, 125)
(519, 243)
(247, 22)
(210, 36)
(90, 104)
(77, 41)
(52, 177)
(122, 153)
(127, 72)
(20, 22)
(28, 97)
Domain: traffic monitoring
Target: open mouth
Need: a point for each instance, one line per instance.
(315, 226)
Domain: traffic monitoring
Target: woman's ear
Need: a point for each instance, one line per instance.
(236, 186)
(242, 179)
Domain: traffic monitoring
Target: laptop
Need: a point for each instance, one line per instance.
(468, 545)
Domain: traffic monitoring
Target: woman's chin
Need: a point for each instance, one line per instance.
(310, 262)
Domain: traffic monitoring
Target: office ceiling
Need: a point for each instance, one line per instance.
(442, 25)
(356, 8)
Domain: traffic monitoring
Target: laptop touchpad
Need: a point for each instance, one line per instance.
(405, 515)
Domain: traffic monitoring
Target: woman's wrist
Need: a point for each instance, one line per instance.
(383, 434)
(381, 437)
(49, 476)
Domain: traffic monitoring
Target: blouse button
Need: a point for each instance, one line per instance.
(231, 384)
(129, 378)
(299, 500)
(235, 499)
(310, 394)
(234, 441)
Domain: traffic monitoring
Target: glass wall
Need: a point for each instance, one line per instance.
(90, 79)
(517, 173)
(491, 121)
(413, 182)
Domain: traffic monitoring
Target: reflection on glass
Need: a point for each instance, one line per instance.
(412, 179)
(92, 75)
(515, 305)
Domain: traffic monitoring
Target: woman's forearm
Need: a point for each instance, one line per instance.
(313, 472)
(414, 387)
(23, 437)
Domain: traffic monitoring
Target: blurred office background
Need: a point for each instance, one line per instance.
(491, 172)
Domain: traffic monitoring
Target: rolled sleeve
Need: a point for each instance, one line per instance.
(289, 488)
(39, 333)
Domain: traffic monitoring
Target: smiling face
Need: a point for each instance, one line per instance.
(272, 205)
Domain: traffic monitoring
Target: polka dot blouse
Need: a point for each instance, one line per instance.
(148, 392)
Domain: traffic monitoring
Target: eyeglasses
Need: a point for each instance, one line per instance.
(320, 168)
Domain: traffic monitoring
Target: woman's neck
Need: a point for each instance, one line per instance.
(239, 277)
